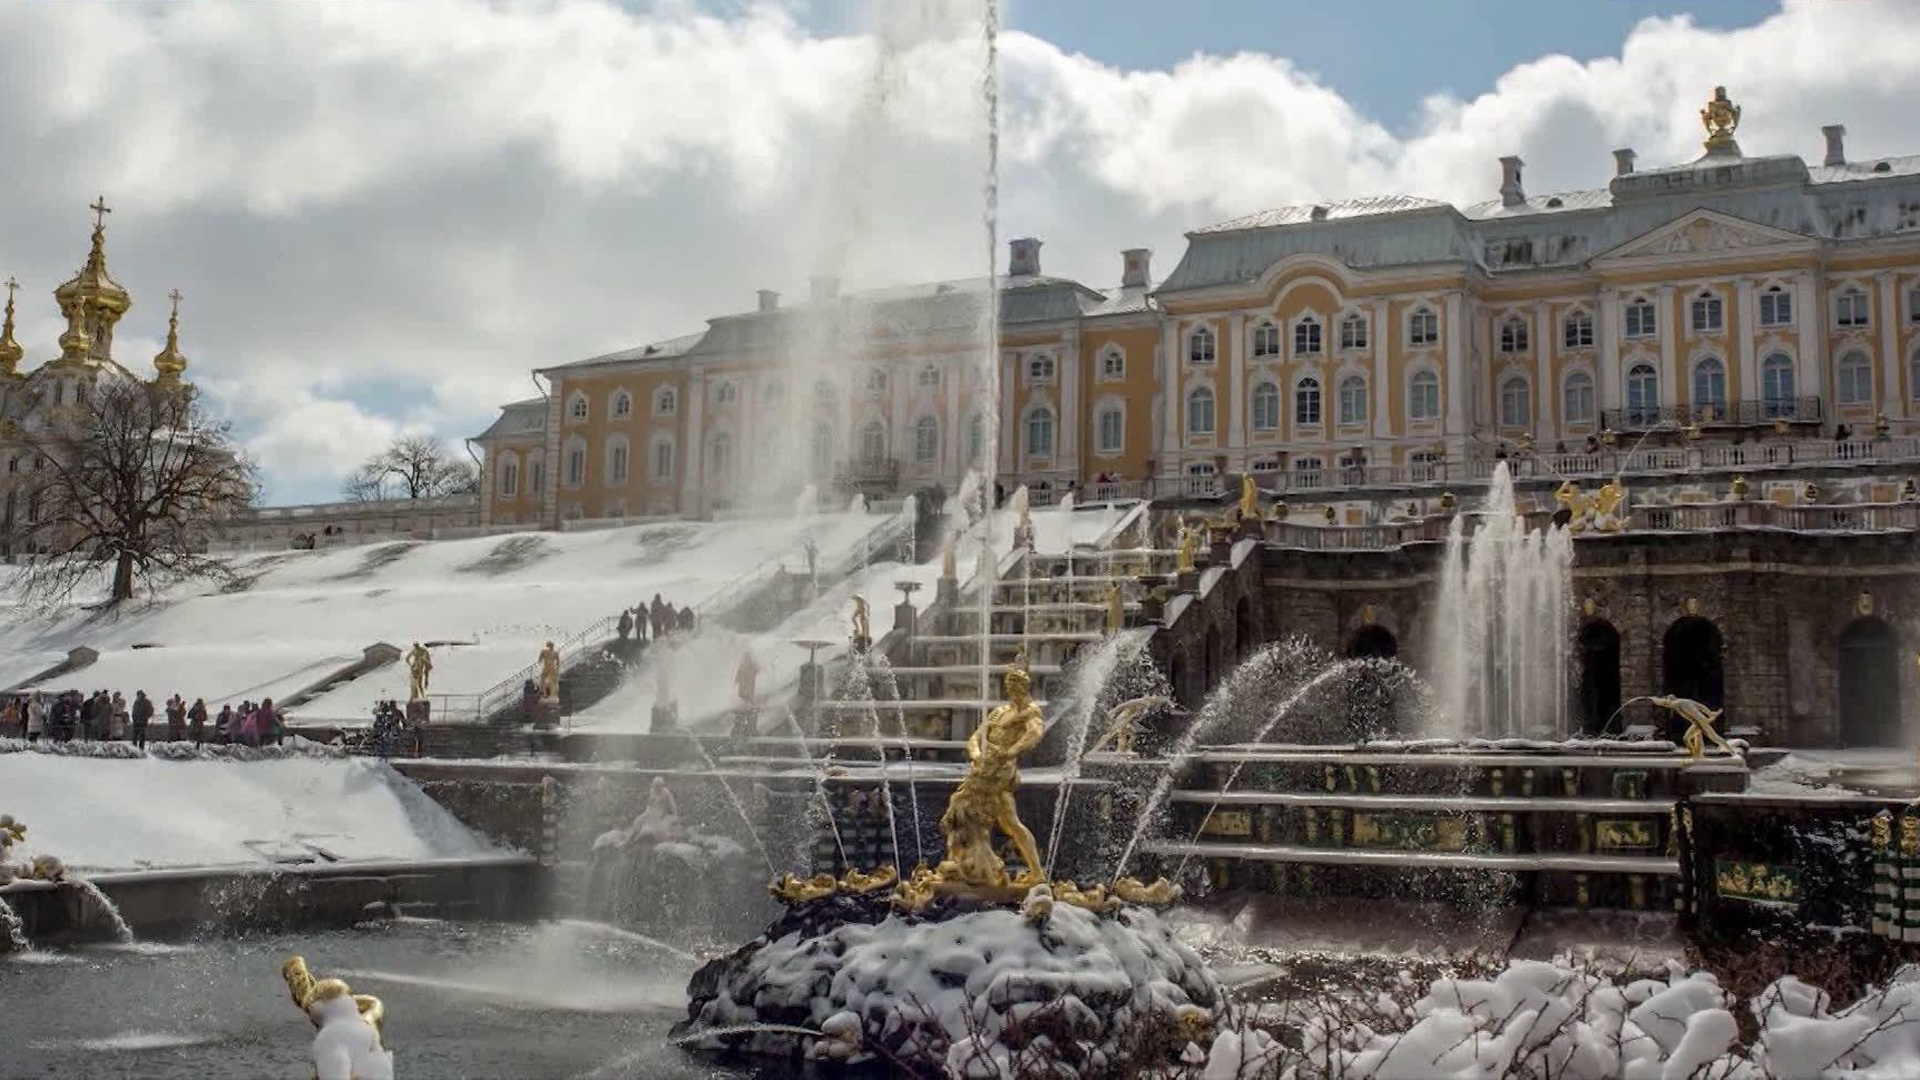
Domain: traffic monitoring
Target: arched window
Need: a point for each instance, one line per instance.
(509, 475)
(666, 402)
(1266, 407)
(576, 404)
(1577, 331)
(1776, 384)
(977, 440)
(1643, 395)
(1306, 336)
(825, 448)
(1708, 314)
(1856, 379)
(1040, 367)
(622, 405)
(1200, 346)
(877, 381)
(824, 394)
(1642, 321)
(720, 457)
(1200, 411)
(1776, 307)
(660, 458)
(1710, 388)
(1423, 327)
(1516, 401)
(1306, 402)
(1040, 433)
(771, 394)
(1578, 406)
(1850, 309)
(1266, 340)
(1111, 427)
(1113, 364)
(1423, 396)
(873, 441)
(574, 464)
(1513, 334)
(1353, 400)
(617, 460)
(1353, 331)
(926, 440)
(929, 378)
(726, 393)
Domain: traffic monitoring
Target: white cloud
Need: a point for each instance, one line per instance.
(440, 195)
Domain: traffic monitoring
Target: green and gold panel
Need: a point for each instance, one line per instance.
(1627, 836)
(1756, 883)
(1236, 824)
(1410, 832)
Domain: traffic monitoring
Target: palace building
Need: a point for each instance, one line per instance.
(1380, 341)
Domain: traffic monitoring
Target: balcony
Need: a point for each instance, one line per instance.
(1738, 414)
(873, 476)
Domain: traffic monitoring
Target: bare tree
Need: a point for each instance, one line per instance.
(414, 467)
(129, 477)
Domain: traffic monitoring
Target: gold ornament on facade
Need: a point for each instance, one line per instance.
(1690, 606)
(1863, 604)
(1280, 511)
(1909, 491)
(1608, 437)
(1881, 426)
(1249, 499)
(1588, 607)
(1448, 501)
(1699, 720)
(170, 362)
(1183, 556)
(792, 890)
(1610, 507)
(10, 351)
(1329, 515)
(1739, 488)
(1720, 117)
(1810, 492)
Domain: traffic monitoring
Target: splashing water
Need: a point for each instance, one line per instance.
(824, 804)
(883, 674)
(857, 687)
(1090, 681)
(744, 1029)
(109, 912)
(622, 934)
(740, 808)
(15, 927)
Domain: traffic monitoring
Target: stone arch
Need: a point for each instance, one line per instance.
(1243, 629)
(1373, 642)
(1597, 687)
(1372, 708)
(1215, 657)
(1869, 684)
(1692, 665)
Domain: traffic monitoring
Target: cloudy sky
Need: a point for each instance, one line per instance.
(383, 214)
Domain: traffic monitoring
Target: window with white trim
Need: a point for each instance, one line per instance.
(1040, 433)
(1776, 307)
(1353, 331)
(616, 460)
(1576, 330)
(1423, 327)
(1200, 404)
(1776, 384)
(1111, 429)
(1266, 340)
(1265, 407)
(929, 378)
(1855, 379)
(1306, 402)
(1040, 368)
(1516, 401)
(877, 381)
(1642, 319)
(1200, 346)
(1423, 396)
(824, 395)
(576, 464)
(1306, 336)
(1576, 406)
(666, 402)
(873, 442)
(1708, 314)
(622, 405)
(576, 405)
(1353, 400)
(509, 476)
(1113, 364)
(1913, 306)
(1710, 388)
(926, 440)
(1851, 310)
(825, 448)
(1643, 395)
(1513, 334)
(661, 456)
(537, 475)
(726, 393)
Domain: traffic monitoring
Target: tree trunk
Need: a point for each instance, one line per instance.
(123, 577)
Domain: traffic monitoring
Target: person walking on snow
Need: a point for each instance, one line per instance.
(142, 715)
(197, 721)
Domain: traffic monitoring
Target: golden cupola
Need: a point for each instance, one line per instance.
(10, 351)
(170, 362)
(91, 300)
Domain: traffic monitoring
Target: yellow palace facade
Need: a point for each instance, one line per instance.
(1385, 340)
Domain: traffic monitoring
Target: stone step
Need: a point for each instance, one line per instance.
(1446, 804)
(1371, 857)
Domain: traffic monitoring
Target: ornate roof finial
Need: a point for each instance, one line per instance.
(1721, 117)
(91, 300)
(170, 362)
(10, 351)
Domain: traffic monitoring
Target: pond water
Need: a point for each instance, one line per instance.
(463, 1001)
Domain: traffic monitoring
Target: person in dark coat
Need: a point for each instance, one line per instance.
(142, 716)
(625, 625)
(197, 722)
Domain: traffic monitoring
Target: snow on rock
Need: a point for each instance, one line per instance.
(959, 990)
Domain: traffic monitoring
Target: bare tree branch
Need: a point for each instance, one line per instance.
(414, 467)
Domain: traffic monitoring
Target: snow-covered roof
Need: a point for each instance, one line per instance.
(518, 418)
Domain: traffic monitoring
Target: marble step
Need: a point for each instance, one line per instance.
(1407, 860)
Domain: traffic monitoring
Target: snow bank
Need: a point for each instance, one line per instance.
(146, 812)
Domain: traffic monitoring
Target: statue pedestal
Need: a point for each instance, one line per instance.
(946, 592)
(419, 711)
(904, 617)
(746, 721)
(1186, 581)
(1220, 552)
(1251, 529)
(546, 713)
(666, 717)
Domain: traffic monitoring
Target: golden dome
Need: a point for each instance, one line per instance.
(93, 287)
(170, 362)
(10, 351)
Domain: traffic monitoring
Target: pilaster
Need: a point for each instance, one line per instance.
(1607, 329)
(1811, 378)
(1170, 399)
(1747, 319)
(693, 497)
(1544, 397)
(1893, 403)
(1456, 374)
(550, 474)
(1670, 383)
(1072, 432)
(1234, 401)
(1381, 398)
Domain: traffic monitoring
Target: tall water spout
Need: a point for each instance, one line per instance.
(1502, 624)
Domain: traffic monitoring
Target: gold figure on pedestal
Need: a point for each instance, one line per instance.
(1249, 499)
(1699, 720)
(1720, 117)
(1610, 507)
(1116, 609)
(419, 671)
(1579, 507)
(983, 803)
(862, 633)
(550, 672)
(350, 1042)
(1188, 540)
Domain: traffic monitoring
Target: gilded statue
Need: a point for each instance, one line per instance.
(550, 672)
(1610, 507)
(1720, 117)
(947, 567)
(858, 883)
(350, 1041)
(419, 671)
(1188, 540)
(1249, 499)
(746, 677)
(983, 803)
(862, 629)
(1579, 507)
(1116, 609)
(1699, 720)
(1161, 893)
(1126, 722)
(796, 890)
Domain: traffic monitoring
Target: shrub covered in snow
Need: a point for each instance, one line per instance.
(295, 747)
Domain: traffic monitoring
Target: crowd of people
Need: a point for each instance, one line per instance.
(657, 619)
(104, 716)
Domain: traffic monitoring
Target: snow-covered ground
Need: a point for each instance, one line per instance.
(298, 615)
(100, 814)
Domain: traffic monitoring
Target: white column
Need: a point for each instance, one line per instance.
(1669, 362)
(1545, 399)
(1606, 331)
(1009, 417)
(1071, 433)
(1235, 355)
(1887, 312)
(1810, 380)
(693, 498)
(1455, 374)
(1170, 400)
(550, 475)
(1380, 396)
(901, 381)
(1750, 389)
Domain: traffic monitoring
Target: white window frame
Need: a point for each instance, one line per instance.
(1309, 337)
(1581, 380)
(617, 461)
(1639, 319)
(577, 407)
(1707, 313)
(876, 381)
(725, 392)
(666, 402)
(1863, 371)
(1777, 404)
(621, 407)
(1576, 329)
(1268, 390)
(1116, 410)
(1196, 396)
(1515, 337)
(1508, 382)
(1423, 327)
(928, 377)
(1302, 395)
(1710, 367)
(1113, 364)
(926, 441)
(1770, 302)
(573, 464)
(1041, 368)
(1415, 379)
(1027, 442)
(1354, 332)
(1202, 346)
(1347, 384)
(660, 454)
(509, 475)
(1649, 402)
(1852, 309)
(1266, 340)
(872, 440)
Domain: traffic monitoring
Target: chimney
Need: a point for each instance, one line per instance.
(1135, 268)
(769, 300)
(1511, 193)
(1836, 144)
(1023, 258)
(824, 287)
(1623, 161)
